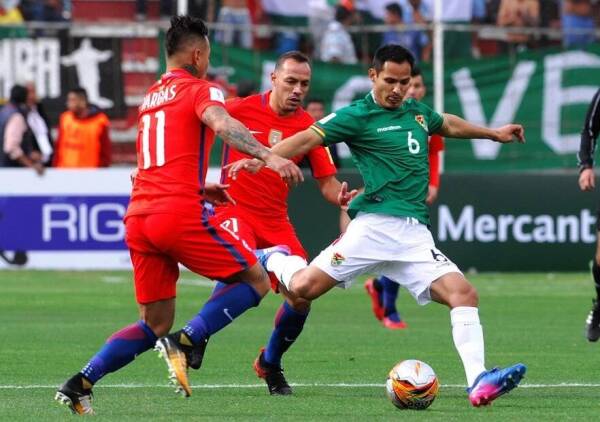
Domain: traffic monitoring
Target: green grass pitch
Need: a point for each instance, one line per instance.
(52, 322)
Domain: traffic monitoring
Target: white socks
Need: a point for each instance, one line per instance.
(468, 339)
(284, 266)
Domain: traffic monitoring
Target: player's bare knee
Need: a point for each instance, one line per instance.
(298, 304)
(300, 287)
(597, 258)
(257, 278)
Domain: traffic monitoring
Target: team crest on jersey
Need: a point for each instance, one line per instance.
(336, 259)
(275, 136)
(421, 120)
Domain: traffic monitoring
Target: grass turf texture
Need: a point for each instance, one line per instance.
(51, 323)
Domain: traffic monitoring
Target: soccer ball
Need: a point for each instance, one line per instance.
(412, 384)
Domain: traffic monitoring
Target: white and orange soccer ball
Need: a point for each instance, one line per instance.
(412, 384)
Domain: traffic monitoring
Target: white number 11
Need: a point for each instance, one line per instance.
(160, 139)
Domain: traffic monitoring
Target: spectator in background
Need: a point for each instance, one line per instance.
(39, 126)
(83, 138)
(320, 13)
(337, 46)
(417, 41)
(48, 10)
(16, 148)
(141, 9)
(577, 15)
(519, 13)
(10, 13)
(316, 108)
(234, 12)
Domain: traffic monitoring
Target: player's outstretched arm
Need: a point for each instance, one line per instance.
(298, 144)
(234, 133)
(455, 127)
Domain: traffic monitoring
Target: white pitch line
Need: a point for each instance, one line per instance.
(338, 385)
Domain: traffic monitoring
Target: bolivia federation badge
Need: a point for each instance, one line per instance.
(421, 120)
(336, 259)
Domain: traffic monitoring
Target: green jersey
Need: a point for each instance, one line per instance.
(389, 148)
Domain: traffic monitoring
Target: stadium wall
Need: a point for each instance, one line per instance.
(491, 222)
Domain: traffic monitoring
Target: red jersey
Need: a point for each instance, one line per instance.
(265, 194)
(173, 145)
(436, 145)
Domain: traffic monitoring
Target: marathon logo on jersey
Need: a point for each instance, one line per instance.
(337, 259)
(158, 98)
(388, 128)
(275, 136)
(421, 120)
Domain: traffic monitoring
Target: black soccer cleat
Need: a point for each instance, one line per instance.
(592, 323)
(75, 397)
(273, 376)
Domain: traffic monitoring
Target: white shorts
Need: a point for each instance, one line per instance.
(399, 248)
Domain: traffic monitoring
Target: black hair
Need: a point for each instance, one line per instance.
(341, 13)
(392, 53)
(394, 8)
(416, 71)
(184, 29)
(18, 94)
(293, 55)
(80, 92)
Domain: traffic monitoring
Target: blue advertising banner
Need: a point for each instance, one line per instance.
(65, 219)
(67, 223)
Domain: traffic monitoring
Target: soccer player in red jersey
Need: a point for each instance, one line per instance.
(383, 291)
(166, 223)
(259, 217)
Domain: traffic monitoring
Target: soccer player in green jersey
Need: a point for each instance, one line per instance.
(389, 233)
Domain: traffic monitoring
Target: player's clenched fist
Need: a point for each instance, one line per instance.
(289, 171)
(508, 133)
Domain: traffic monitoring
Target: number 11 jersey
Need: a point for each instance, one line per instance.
(173, 145)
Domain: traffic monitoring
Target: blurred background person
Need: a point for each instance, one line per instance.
(83, 134)
(320, 13)
(337, 45)
(234, 12)
(521, 14)
(577, 15)
(10, 13)
(416, 41)
(39, 127)
(316, 108)
(17, 148)
(141, 9)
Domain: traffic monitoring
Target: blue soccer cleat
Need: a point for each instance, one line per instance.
(264, 254)
(490, 385)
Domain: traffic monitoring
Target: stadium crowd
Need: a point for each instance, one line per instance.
(328, 20)
(334, 30)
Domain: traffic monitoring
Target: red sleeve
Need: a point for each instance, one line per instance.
(105, 148)
(321, 162)
(207, 95)
(436, 145)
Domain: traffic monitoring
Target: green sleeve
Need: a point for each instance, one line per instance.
(434, 120)
(342, 125)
